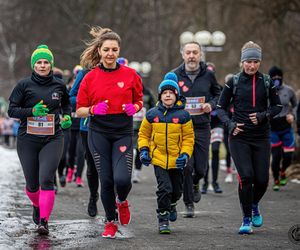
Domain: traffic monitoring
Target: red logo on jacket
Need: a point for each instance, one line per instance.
(180, 83)
(156, 119)
(175, 120)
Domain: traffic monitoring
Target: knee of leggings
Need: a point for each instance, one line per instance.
(123, 182)
(246, 180)
(261, 184)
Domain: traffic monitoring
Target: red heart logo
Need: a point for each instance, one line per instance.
(156, 119)
(123, 148)
(175, 120)
(121, 84)
(181, 83)
(185, 89)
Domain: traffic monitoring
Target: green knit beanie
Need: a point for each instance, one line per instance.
(42, 52)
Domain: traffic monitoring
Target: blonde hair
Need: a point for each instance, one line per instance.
(251, 45)
(90, 57)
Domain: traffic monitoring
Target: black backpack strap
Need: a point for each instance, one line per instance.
(267, 81)
(235, 79)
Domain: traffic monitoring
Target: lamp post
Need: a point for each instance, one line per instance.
(210, 42)
(143, 68)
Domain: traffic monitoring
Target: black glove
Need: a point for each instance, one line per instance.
(261, 116)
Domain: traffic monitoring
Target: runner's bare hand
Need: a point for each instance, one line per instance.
(253, 118)
(238, 129)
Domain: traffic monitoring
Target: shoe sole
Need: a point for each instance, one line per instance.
(42, 231)
(108, 237)
(165, 231)
(246, 232)
(188, 216)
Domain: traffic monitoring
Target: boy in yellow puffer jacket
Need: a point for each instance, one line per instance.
(166, 139)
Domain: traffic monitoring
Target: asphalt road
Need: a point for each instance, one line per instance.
(215, 226)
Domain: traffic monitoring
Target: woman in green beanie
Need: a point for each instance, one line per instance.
(38, 101)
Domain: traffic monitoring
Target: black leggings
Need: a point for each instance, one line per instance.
(112, 155)
(226, 144)
(277, 155)
(63, 161)
(215, 148)
(40, 160)
(76, 152)
(252, 160)
(91, 172)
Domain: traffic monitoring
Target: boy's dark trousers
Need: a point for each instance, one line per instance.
(169, 187)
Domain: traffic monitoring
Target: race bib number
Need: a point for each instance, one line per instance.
(217, 135)
(41, 125)
(194, 105)
(139, 116)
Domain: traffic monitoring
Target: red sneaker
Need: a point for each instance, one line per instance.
(70, 175)
(123, 212)
(110, 230)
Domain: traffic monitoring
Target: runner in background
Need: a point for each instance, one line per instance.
(217, 135)
(282, 134)
(91, 172)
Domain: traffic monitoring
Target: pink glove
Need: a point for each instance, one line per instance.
(100, 109)
(129, 109)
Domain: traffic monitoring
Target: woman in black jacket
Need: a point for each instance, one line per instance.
(38, 101)
(255, 101)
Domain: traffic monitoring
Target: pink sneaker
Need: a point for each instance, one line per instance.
(69, 175)
(79, 182)
(110, 230)
(123, 212)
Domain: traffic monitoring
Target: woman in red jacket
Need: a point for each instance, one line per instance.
(111, 94)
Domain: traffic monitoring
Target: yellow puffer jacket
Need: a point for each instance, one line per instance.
(167, 133)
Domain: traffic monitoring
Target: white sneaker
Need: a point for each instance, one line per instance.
(136, 176)
(228, 178)
(210, 187)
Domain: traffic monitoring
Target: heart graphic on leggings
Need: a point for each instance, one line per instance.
(123, 148)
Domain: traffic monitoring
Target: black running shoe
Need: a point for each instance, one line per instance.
(92, 206)
(204, 188)
(217, 188)
(196, 193)
(163, 223)
(43, 227)
(62, 181)
(36, 215)
(173, 212)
